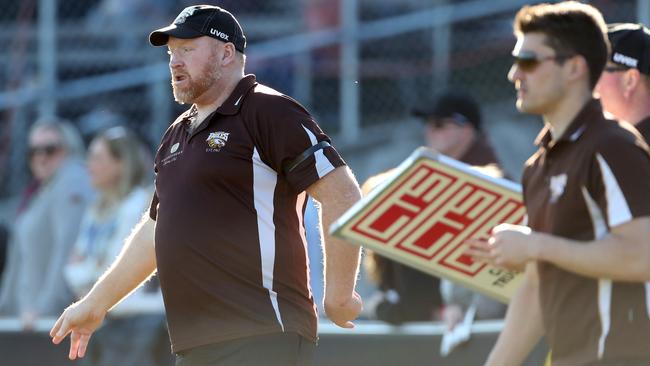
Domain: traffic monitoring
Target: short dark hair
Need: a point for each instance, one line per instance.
(571, 28)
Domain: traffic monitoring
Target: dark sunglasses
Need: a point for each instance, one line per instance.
(456, 119)
(615, 68)
(47, 150)
(529, 61)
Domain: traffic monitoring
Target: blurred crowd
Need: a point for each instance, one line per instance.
(69, 226)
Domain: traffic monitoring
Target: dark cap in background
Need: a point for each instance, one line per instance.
(202, 20)
(452, 104)
(630, 45)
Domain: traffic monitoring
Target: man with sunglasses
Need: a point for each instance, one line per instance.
(453, 126)
(585, 252)
(624, 87)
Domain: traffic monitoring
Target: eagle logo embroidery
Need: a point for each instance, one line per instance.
(187, 12)
(217, 140)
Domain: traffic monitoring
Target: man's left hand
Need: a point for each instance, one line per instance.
(510, 247)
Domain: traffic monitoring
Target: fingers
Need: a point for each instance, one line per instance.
(477, 243)
(510, 227)
(75, 339)
(83, 344)
(479, 250)
(60, 330)
(78, 344)
(55, 328)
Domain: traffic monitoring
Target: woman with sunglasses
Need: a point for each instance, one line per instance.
(46, 224)
(117, 165)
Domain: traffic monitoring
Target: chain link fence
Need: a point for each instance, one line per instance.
(103, 71)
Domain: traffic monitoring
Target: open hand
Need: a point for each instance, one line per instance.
(79, 320)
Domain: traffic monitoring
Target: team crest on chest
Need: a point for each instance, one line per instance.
(557, 185)
(217, 140)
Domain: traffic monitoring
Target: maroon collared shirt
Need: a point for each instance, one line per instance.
(230, 239)
(644, 128)
(595, 177)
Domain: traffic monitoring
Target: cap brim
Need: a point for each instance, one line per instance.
(423, 111)
(160, 37)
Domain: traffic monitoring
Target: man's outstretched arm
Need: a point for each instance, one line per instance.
(134, 265)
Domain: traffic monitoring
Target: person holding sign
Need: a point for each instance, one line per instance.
(585, 251)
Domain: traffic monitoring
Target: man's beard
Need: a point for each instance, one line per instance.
(208, 77)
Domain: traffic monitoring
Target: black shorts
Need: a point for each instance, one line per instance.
(277, 349)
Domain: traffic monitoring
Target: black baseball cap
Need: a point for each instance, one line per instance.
(452, 104)
(630, 45)
(202, 20)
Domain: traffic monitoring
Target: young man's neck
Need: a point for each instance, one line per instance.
(565, 112)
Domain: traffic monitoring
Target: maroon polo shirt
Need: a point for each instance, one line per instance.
(644, 128)
(595, 177)
(230, 241)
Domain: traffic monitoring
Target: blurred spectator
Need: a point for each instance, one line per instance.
(453, 126)
(47, 224)
(118, 172)
(624, 86)
(97, 120)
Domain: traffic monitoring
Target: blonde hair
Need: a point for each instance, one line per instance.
(70, 136)
(124, 146)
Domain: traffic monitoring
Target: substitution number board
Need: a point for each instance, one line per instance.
(422, 215)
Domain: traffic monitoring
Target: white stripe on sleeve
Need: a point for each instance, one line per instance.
(323, 165)
(618, 211)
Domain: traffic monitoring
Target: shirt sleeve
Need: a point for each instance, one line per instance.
(153, 207)
(619, 182)
(283, 131)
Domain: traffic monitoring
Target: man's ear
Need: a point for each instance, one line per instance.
(577, 68)
(630, 80)
(229, 54)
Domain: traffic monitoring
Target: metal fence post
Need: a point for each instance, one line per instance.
(349, 72)
(643, 12)
(161, 109)
(47, 57)
(441, 50)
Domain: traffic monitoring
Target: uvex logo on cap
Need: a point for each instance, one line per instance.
(219, 34)
(625, 60)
